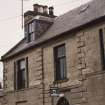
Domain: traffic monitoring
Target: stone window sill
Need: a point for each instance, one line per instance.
(61, 81)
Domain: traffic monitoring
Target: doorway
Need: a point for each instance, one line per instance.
(63, 101)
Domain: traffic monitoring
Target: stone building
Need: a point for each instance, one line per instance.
(1, 97)
(64, 54)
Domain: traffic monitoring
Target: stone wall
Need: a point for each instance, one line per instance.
(31, 95)
(83, 68)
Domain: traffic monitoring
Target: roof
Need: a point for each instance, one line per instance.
(69, 21)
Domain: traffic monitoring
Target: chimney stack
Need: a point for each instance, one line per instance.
(45, 9)
(51, 11)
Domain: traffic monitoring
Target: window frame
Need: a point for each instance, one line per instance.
(57, 59)
(16, 71)
(30, 34)
(102, 47)
(20, 72)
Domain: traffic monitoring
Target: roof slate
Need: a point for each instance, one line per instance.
(82, 15)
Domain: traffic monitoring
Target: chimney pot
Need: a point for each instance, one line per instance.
(36, 6)
(51, 12)
(40, 9)
(45, 9)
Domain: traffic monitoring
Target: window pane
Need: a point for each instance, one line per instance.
(31, 27)
(101, 37)
(31, 36)
(23, 78)
(61, 51)
(22, 64)
(62, 68)
(60, 62)
(26, 30)
(21, 74)
(58, 77)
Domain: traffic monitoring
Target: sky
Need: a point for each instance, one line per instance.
(10, 19)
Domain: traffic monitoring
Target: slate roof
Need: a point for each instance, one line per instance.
(69, 21)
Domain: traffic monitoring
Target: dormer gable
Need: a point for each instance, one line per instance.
(38, 21)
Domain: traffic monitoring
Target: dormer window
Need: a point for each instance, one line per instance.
(30, 31)
(37, 22)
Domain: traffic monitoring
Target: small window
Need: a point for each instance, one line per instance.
(60, 63)
(84, 8)
(20, 74)
(21, 103)
(101, 37)
(29, 31)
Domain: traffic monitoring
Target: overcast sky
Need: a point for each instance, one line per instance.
(10, 19)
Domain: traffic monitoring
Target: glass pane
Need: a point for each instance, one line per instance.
(22, 64)
(23, 75)
(58, 77)
(32, 36)
(21, 79)
(60, 59)
(31, 27)
(61, 51)
(26, 30)
(62, 68)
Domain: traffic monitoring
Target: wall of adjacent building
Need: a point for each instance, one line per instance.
(85, 83)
